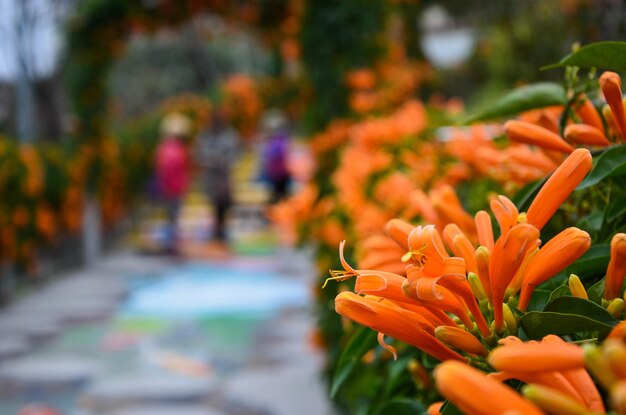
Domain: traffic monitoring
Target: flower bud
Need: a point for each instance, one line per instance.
(616, 307)
(576, 287)
(552, 400)
(460, 339)
(599, 366)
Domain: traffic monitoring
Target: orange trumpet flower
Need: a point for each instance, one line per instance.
(527, 133)
(586, 135)
(611, 86)
(558, 253)
(558, 187)
(399, 230)
(484, 229)
(506, 213)
(460, 245)
(589, 115)
(460, 339)
(468, 388)
(617, 267)
(426, 249)
(387, 318)
(382, 253)
(544, 356)
(508, 254)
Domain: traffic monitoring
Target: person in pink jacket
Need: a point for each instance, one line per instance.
(172, 171)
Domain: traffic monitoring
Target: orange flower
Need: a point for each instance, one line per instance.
(399, 230)
(559, 186)
(460, 245)
(508, 254)
(460, 339)
(588, 113)
(484, 229)
(617, 267)
(558, 253)
(586, 135)
(382, 253)
(505, 211)
(482, 263)
(448, 206)
(527, 133)
(387, 318)
(426, 247)
(611, 86)
(475, 393)
(544, 356)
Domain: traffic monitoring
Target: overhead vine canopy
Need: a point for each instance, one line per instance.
(98, 33)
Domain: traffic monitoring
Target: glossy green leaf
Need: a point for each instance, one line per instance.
(539, 299)
(596, 291)
(592, 264)
(402, 407)
(610, 163)
(538, 324)
(616, 209)
(581, 307)
(604, 55)
(362, 340)
(559, 292)
(568, 315)
(522, 99)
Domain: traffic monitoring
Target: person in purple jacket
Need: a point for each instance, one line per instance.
(275, 156)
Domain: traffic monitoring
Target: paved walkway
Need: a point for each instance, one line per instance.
(230, 337)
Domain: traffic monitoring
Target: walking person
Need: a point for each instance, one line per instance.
(172, 171)
(275, 156)
(217, 150)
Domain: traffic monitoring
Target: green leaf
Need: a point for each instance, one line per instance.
(526, 194)
(402, 407)
(592, 264)
(596, 291)
(611, 163)
(582, 307)
(616, 209)
(362, 340)
(522, 99)
(448, 408)
(538, 324)
(605, 55)
(568, 315)
(539, 299)
(559, 292)
(591, 222)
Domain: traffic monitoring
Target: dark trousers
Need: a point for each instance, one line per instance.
(220, 211)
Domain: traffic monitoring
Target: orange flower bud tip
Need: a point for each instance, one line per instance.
(435, 408)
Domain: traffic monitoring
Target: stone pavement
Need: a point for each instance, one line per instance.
(78, 345)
